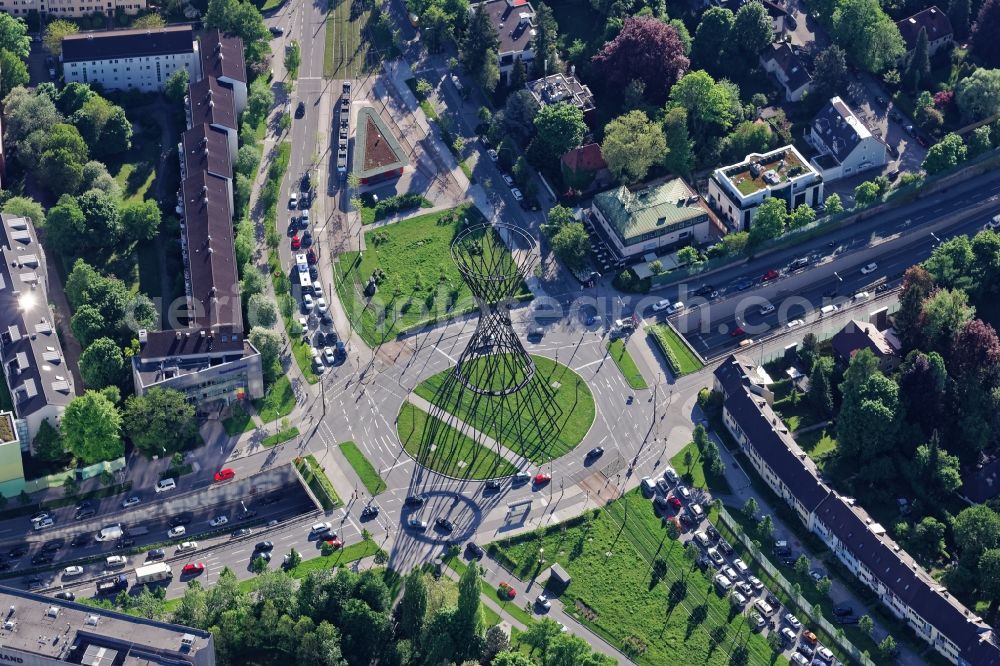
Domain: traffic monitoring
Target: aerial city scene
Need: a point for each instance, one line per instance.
(500, 333)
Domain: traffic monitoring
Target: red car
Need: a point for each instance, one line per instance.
(674, 502)
(541, 478)
(334, 542)
(296, 242)
(224, 474)
(738, 331)
(193, 568)
(770, 275)
(311, 256)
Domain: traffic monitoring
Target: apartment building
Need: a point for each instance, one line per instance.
(210, 103)
(735, 192)
(204, 148)
(514, 22)
(845, 146)
(71, 8)
(34, 366)
(858, 541)
(130, 59)
(222, 59)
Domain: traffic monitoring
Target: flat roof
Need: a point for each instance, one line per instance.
(764, 171)
(212, 103)
(127, 43)
(66, 631)
(33, 358)
(556, 88)
(376, 150)
(222, 57)
(657, 208)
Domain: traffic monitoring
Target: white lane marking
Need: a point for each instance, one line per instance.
(586, 365)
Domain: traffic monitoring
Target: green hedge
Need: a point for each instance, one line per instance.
(392, 205)
(664, 346)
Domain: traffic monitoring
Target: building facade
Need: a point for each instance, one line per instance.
(34, 366)
(935, 22)
(782, 62)
(130, 59)
(656, 219)
(845, 146)
(71, 8)
(736, 191)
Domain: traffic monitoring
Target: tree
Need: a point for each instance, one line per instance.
(140, 220)
(984, 31)
(103, 222)
(945, 154)
(25, 206)
(734, 244)
(478, 52)
(518, 75)
(572, 244)
(468, 617)
(978, 95)
(820, 394)
(865, 194)
(560, 128)
(54, 34)
(917, 284)
(768, 221)
(13, 72)
(866, 33)
(750, 508)
(646, 49)
(519, 114)
(688, 255)
(435, 28)
(512, 659)
(959, 12)
(928, 536)
(91, 427)
(887, 648)
(989, 579)
(261, 311)
(802, 216)
(66, 226)
(96, 177)
(545, 43)
(918, 67)
(751, 31)
(943, 314)
(14, 36)
(102, 364)
(802, 566)
(765, 528)
(830, 71)
(709, 105)
(413, 605)
(774, 642)
(260, 99)
(60, 170)
(161, 419)
(494, 643)
(823, 586)
(980, 141)
(177, 85)
(25, 113)
(922, 384)
(293, 58)
(866, 624)
(868, 422)
(117, 135)
(679, 158)
(711, 39)
(833, 205)
(48, 444)
(632, 144)
(268, 343)
(746, 138)
(243, 20)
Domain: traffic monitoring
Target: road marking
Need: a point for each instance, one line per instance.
(587, 365)
(237, 552)
(445, 355)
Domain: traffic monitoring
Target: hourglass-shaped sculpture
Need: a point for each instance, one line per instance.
(494, 362)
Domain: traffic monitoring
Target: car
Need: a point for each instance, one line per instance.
(320, 528)
(130, 501)
(66, 596)
(670, 475)
(444, 525)
(757, 622)
(321, 305)
(675, 308)
(79, 540)
(369, 511)
(686, 520)
(705, 290)
(300, 110)
(41, 515)
(738, 599)
(767, 308)
(43, 523)
(81, 514)
(828, 309)
(177, 531)
(675, 502)
(722, 582)
(332, 541)
(824, 653)
(738, 331)
(595, 452)
(684, 492)
(843, 611)
(799, 660)
(799, 263)
(742, 284)
(156, 554)
(870, 268)
(475, 549)
(542, 478)
(794, 323)
(218, 521)
(772, 274)
(992, 224)
(34, 582)
(730, 573)
(74, 570)
(661, 503)
(789, 635)
(725, 547)
(507, 179)
(293, 200)
(522, 477)
(542, 601)
(806, 650)
(809, 636)
(308, 303)
(414, 501)
(492, 485)
(663, 486)
(816, 575)
(276, 31)
(225, 474)
(193, 568)
(763, 607)
(712, 533)
(116, 560)
(516, 193)
(741, 566)
(264, 546)
(416, 523)
(53, 545)
(792, 621)
(861, 295)
(328, 356)
(492, 154)
(772, 599)
(661, 304)
(755, 583)
(181, 519)
(163, 485)
(296, 242)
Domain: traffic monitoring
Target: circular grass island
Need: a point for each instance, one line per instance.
(458, 434)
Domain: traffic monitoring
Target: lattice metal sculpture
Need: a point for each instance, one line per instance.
(494, 362)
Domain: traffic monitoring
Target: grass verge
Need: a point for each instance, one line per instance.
(695, 474)
(318, 482)
(238, 422)
(280, 436)
(279, 401)
(368, 475)
(678, 356)
(453, 453)
(626, 364)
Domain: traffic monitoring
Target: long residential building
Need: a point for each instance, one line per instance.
(131, 59)
(859, 542)
(34, 366)
(71, 8)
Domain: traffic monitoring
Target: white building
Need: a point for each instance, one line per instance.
(781, 61)
(130, 59)
(735, 192)
(71, 8)
(514, 21)
(844, 144)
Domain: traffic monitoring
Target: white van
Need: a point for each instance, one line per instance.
(763, 607)
(696, 511)
(828, 309)
(166, 484)
(116, 561)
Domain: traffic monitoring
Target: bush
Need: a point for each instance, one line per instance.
(668, 353)
(398, 203)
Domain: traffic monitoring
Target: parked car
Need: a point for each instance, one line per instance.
(218, 521)
(175, 532)
(792, 621)
(130, 501)
(163, 485)
(225, 474)
(193, 568)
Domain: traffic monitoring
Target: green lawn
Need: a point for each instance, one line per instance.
(797, 412)
(238, 422)
(609, 555)
(347, 52)
(318, 481)
(818, 443)
(135, 170)
(439, 446)
(544, 420)
(680, 359)
(280, 436)
(368, 474)
(626, 364)
(696, 475)
(421, 282)
(443, 592)
(279, 401)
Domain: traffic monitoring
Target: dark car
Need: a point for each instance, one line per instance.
(53, 545)
(276, 31)
(306, 183)
(474, 549)
(79, 540)
(414, 501)
(156, 554)
(18, 551)
(806, 650)
(81, 514)
(41, 558)
(300, 110)
(313, 272)
(34, 583)
(663, 486)
(181, 519)
(326, 320)
(369, 511)
(264, 546)
(67, 596)
(444, 524)
(712, 533)
(493, 484)
(687, 520)
(307, 239)
(704, 290)
(595, 452)
(725, 547)
(125, 542)
(661, 503)
(772, 600)
(843, 611)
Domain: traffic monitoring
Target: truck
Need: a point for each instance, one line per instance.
(110, 533)
(112, 585)
(152, 573)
